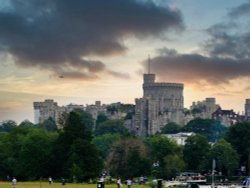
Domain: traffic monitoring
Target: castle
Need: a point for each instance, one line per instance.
(161, 103)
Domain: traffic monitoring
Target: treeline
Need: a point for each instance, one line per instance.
(76, 153)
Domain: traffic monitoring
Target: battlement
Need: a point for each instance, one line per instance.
(163, 85)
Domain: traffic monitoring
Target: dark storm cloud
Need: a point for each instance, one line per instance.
(56, 35)
(232, 37)
(195, 68)
(224, 43)
(242, 10)
(227, 54)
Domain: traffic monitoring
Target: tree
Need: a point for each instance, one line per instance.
(7, 126)
(101, 118)
(104, 142)
(10, 151)
(238, 136)
(26, 123)
(226, 157)
(128, 158)
(171, 128)
(35, 156)
(211, 129)
(196, 152)
(112, 127)
(173, 165)
(76, 154)
(161, 150)
(86, 118)
(49, 124)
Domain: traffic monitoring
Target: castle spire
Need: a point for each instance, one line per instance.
(148, 64)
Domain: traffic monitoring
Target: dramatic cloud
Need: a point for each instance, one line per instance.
(227, 55)
(58, 35)
(195, 68)
(242, 10)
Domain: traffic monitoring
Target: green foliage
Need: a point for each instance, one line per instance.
(26, 123)
(49, 125)
(112, 127)
(227, 159)
(85, 118)
(128, 158)
(101, 118)
(129, 115)
(196, 152)
(161, 148)
(173, 165)
(25, 153)
(36, 154)
(76, 150)
(7, 126)
(104, 143)
(238, 136)
(171, 128)
(213, 130)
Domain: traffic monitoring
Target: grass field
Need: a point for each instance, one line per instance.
(59, 185)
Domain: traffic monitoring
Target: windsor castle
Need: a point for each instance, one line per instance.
(160, 104)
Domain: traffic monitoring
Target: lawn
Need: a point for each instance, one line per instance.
(59, 185)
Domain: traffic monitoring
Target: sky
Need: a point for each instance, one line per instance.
(82, 51)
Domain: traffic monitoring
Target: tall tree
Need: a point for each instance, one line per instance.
(128, 158)
(161, 150)
(76, 154)
(213, 130)
(226, 157)
(238, 136)
(112, 127)
(171, 128)
(101, 118)
(196, 152)
(104, 142)
(35, 157)
(26, 123)
(49, 124)
(7, 125)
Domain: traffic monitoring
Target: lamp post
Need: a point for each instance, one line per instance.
(213, 171)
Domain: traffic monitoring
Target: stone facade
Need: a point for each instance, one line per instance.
(45, 110)
(206, 108)
(226, 117)
(95, 110)
(50, 109)
(161, 103)
(247, 108)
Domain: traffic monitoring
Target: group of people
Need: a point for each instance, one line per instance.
(119, 183)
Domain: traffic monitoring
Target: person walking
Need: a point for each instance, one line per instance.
(129, 183)
(14, 181)
(119, 182)
(50, 180)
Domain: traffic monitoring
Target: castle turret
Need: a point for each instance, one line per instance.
(148, 78)
(247, 107)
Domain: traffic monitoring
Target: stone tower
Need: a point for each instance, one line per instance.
(161, 103)
(247, 107)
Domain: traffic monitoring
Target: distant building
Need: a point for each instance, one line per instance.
(204, 109)
(50, 109)
(161, 103)
(95, 110)
(247, 107)
(180, 138)
(226, 117)
(45, 110)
